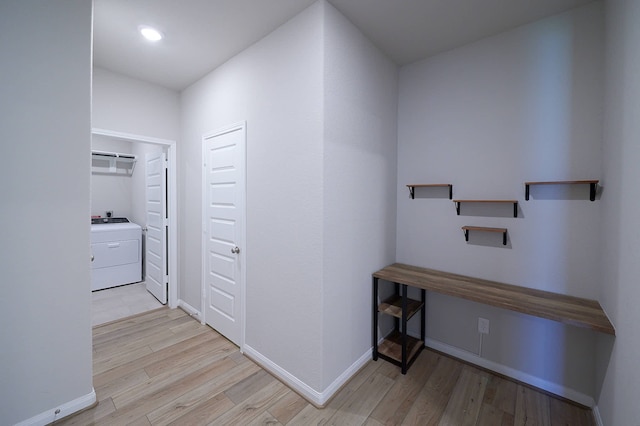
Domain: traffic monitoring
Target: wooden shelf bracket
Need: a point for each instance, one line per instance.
(466, 230)
(412, 188)
(514, 202)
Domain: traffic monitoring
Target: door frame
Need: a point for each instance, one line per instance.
(172, 200)
(241, 125)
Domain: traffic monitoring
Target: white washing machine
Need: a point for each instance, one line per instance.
(116, 249)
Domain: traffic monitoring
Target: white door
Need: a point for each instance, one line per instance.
(223, 228)
(156, 241)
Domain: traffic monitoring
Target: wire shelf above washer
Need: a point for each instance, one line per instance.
(112, 163)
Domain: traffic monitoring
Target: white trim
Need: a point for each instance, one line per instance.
(289, 379)
(173, 224)
(343, 378)
(61, 411)
(242, 256)
(203, 229)
(319, 399)
(596, 416)
(173, 200)
(131, 137)
(193, 312)
(554, 388)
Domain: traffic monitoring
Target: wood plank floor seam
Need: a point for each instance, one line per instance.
(197, 377)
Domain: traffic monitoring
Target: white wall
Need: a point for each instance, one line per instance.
(618, 372)
(524, 105)
(45, 89)
(360, 133)
(276, 86)
(128, 105)
(320, 104)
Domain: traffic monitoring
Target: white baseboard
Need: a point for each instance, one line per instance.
(340, 381)
(59, 412)
(190, 310)
(318, 399)
(289, 379)
(596, 416)
(521, 376)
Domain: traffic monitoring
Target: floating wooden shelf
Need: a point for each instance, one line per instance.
(412, 188)
(466, 230)
(544, 304)
(514, 202)
(593, 184)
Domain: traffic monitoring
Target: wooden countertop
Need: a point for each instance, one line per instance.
(554, 306)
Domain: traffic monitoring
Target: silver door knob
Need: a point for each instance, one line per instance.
(235, 250)
(92, 258)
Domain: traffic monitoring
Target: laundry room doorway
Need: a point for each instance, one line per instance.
(153, 204)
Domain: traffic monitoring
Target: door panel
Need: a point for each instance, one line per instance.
(156, 242)
(223, 210)
(223, 266)
(223, 229)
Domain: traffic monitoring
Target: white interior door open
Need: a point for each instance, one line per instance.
(156, 242)
(223, 231)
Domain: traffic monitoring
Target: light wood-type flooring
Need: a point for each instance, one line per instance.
(163, 367)
(120, 302)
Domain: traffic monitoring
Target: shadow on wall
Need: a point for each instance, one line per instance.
(505, 210)
(604, 345)
(562, 192)
(545, 356)
(488, 239)
(441, 193)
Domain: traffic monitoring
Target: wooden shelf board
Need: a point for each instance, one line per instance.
(391, 347)
(554, 306)
(563, 182)
(483, 228)
(486, 201)
(393, 306)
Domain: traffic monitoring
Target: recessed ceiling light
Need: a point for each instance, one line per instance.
(150, 34)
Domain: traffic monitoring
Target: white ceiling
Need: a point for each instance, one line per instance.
(200, 35)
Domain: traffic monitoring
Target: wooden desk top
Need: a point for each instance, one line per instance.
(558, 307)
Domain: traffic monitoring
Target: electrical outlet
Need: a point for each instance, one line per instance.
(483, 325)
